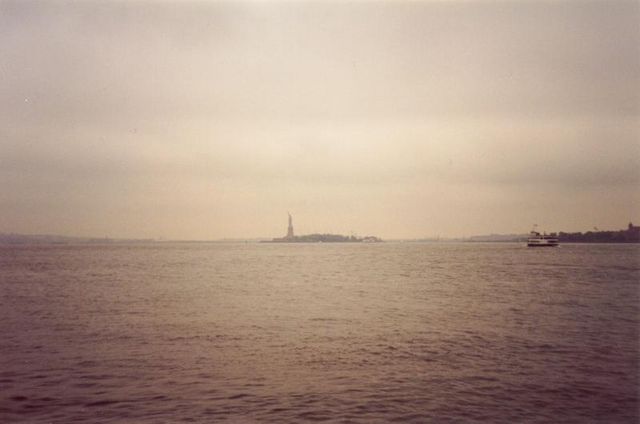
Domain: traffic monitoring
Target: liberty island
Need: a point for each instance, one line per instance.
(320, 238)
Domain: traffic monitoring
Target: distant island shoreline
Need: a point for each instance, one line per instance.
(320, 238)
(324, 238)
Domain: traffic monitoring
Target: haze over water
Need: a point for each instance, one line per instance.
(310, 332)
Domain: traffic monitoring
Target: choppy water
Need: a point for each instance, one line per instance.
(339, 332)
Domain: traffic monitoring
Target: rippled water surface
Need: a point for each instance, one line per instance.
(339, 332)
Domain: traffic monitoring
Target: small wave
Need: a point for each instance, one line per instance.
(238, 396)
(103, 402)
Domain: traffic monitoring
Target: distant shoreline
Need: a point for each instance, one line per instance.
(629, 236)
(114, 242)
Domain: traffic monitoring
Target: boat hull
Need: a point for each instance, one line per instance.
(542, 240)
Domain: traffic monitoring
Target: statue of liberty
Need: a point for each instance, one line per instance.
(290, 228)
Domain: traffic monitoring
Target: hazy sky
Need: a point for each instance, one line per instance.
(399, 119)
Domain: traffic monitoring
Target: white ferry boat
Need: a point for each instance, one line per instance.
(542, 240)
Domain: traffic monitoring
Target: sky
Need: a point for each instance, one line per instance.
(209, 120)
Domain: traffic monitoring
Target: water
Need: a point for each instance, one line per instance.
(337, 332)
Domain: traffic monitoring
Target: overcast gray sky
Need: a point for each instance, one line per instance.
(400, 119)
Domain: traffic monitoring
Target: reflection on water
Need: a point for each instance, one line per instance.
(351, 333)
